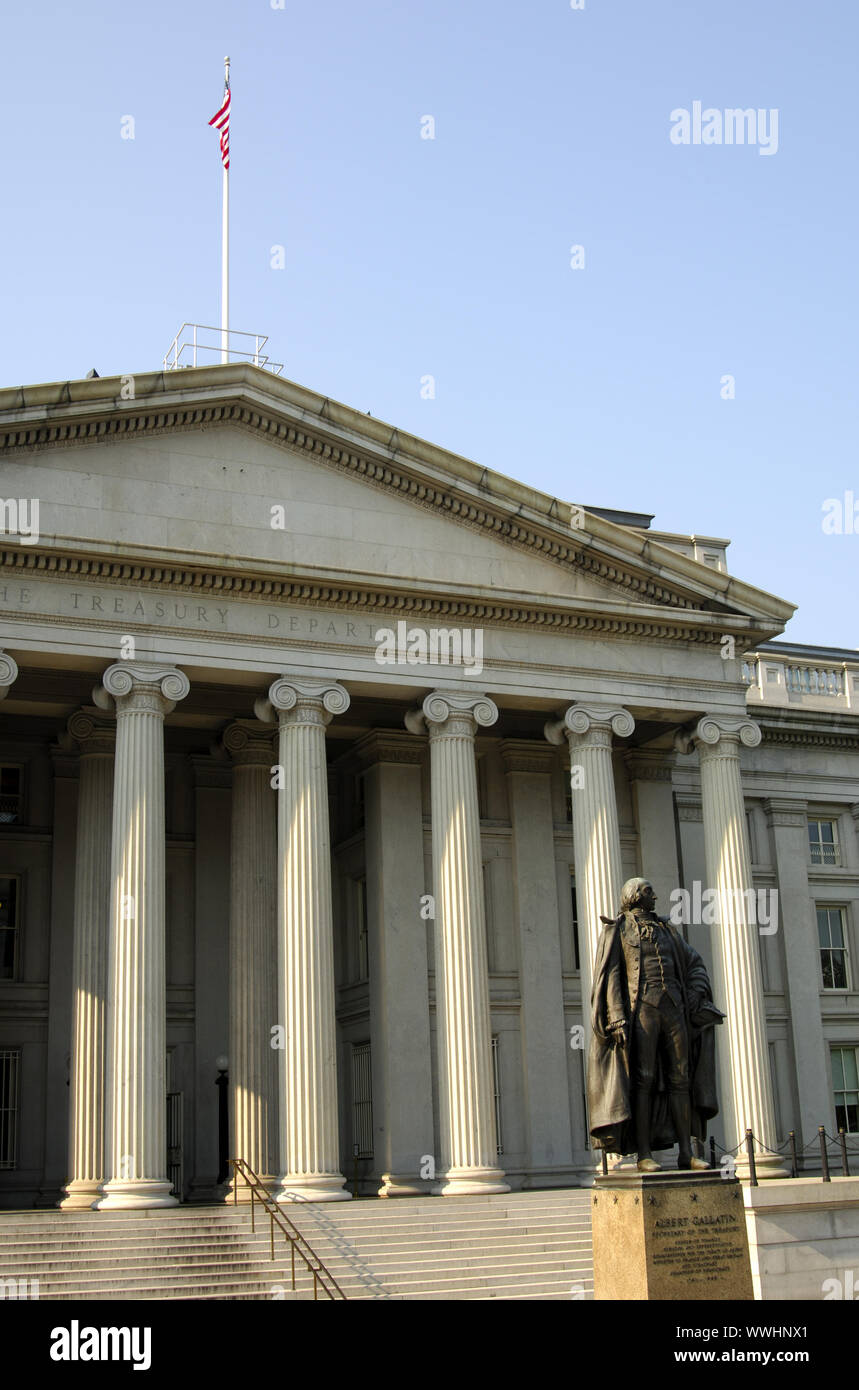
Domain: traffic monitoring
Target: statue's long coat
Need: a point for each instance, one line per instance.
(614, 996)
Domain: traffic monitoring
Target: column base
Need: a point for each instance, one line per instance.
(404, 1185)
(80, 1194)
(476, 1182)
(241, 1192)
(135, 1194)
(766, 1166)
(311, 1187)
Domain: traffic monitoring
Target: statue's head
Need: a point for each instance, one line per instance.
(637, 892)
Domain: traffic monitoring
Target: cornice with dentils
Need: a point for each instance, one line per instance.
(238, 394)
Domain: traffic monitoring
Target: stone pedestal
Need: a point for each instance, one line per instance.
(670, 1236)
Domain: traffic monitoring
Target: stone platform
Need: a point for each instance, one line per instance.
(670, 1236)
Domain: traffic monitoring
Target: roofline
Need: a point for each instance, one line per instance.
(97, 398)
(812, 653)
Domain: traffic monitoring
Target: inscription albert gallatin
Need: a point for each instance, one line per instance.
(697, 1248)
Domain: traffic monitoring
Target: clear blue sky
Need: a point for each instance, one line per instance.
(450, 257)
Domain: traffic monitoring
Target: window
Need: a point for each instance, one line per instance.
(10, 1067)
(845, 1086)
(832, 933)
(9, 900)
(823, 842)
(358, 801)
(575, 922)
(362, 946)
(496, 1094)
(362, 1099)
(10, 795)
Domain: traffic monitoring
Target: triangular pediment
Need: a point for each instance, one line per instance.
(231, 466)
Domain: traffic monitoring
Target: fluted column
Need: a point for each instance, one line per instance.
(96, 734)
(307, 1093)
(253, 950)
(746, 1091)
(466, 1105)
(135, 1154)
(588, 731)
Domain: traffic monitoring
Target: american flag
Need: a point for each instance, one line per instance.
(221, 122)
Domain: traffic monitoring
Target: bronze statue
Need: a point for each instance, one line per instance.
(651, 1069)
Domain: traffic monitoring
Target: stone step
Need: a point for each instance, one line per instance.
(95, 1272)
(523, 1245)
(431, 1235)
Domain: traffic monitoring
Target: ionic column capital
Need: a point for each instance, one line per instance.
(142, 686)
(94, 731)
(590, 724)
(303, 700)
(248, 744)
(8, 673)
(446, 713)
(719, 732)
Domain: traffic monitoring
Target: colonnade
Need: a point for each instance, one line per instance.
(281, 947)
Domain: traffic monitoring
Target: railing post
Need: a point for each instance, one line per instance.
(824, 1157)
(750, 1150)
(713, 1163)
(794, 1166)
(314, 1287)
(271, 1224)
(292, 1252)
(253, 1222)
(843, 1137)
(604, 1163)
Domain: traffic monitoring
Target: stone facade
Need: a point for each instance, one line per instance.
(250, 809)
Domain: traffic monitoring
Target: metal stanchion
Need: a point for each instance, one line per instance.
(750, 1150)
(794, 1165)
(824, 1157)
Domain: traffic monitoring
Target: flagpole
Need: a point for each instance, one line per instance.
(225, 250)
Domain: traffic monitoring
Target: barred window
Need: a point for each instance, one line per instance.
(362, 1099)
(361, 936)
(10, 898)
(823, 842)
(496, 1094)
(832, 933)
(845, 1086)
(10, 1068)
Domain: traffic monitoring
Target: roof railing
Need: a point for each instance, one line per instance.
(196, 341)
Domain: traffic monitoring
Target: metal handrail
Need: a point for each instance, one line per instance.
(194, 344)
(261, 1194)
